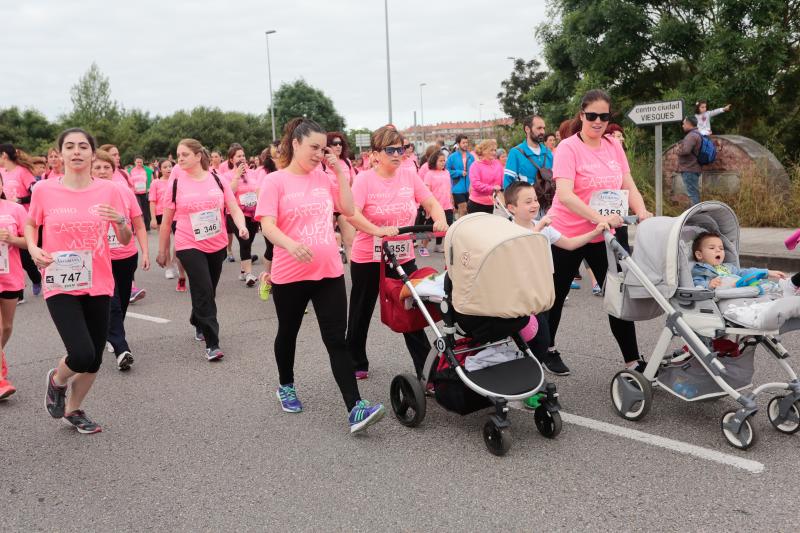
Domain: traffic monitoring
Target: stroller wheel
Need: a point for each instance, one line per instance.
(746, 436)
(408, 400)
(548, 424)
(789, 424)
(631, 394)
(497, 439)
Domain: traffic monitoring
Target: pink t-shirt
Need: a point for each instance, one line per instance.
(71, 224)
(157, 188)
(17, 182)
(302, 206)
(122, 177)
(347, 169)
(386, 202)
(247, 192)
(199, 216)
(484, 176)
(139, 180)
(52, 174)
(132, 210)
(12, 218)
(423, 170)
(590, 170)
(438, 181)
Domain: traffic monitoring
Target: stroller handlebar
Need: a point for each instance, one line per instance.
(425, 228)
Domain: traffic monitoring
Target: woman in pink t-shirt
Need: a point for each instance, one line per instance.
(196, 201)
(244, 183)
(139, 178)
(55, 166)
(124, 259)
(12, 277)
(337, 142)
(485, 178)
(295, 208)
(75, 213)
(385, 198)
(158, 199)
(593, 185)
(437, 179)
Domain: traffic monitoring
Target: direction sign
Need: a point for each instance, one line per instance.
(362, 139)
(657, 112)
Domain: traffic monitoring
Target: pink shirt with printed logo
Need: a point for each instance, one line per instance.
(12, 218)
(438, 181)
(386, 202)
(247, 192)
(590, 170)
(204, 196)
(70, 223)
(17, 182)
(139, 180)
(132, 210)
(302, 206)
(156, 194)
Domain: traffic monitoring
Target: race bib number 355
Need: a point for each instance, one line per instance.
(610, 202)
(401, 249)
(69, 271)
(206, 224)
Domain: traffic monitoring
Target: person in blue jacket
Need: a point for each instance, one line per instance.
(458, 165)
(527, 155)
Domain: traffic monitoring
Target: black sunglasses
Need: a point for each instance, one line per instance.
(591, 116)
(407, 146)
(393, 150)
(336, 143)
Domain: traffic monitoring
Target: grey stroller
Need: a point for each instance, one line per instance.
(718, 357)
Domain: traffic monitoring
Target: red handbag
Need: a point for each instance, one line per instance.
(393, 312)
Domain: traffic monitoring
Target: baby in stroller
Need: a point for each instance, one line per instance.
(710, 270)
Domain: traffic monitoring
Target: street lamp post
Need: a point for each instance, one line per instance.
(421, 115)
(269, 73)
(480, 121)
(388, 67)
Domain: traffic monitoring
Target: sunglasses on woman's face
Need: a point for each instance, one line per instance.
(591, 116)
(393, 150)
(407, 146)
(336, 143)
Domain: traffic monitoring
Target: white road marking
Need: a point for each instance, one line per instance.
(149, 318)
(753, 467)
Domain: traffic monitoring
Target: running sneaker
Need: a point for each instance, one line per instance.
(137, 294)
(124, 361)
(287, 395)
(169, 273)
(423, 252)
(242, 275)
(109, 348)
(81, 422)
(430, 390)
(533, 402)
(21, 301)
(264, 290)
(575, 285)
(181, 287)
(597, 290)
(230, 259)
(56, 397)
(362, 374)
(6, 389)
(364, 415)
(250, 280)
(214, 354)
(36, 289)
(552, 363)
(198, 335)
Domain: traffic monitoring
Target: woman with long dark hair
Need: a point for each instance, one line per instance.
(337, 142)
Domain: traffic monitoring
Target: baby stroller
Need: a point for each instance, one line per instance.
(717, 359)
(485, 301)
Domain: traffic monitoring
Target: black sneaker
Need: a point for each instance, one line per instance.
(124, 361)
(56, 397)
(81, 422)
(552, 363)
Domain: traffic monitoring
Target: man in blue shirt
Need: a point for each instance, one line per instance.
(458, 165)
(527, 155)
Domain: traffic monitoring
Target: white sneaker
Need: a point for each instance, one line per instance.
(169, 273)
(788, 287)
(109, 348)
(250, 280)
(440, 248)
(242, 277)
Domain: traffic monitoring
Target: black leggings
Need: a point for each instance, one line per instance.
(363, 295)
(270, 249)
(566, 263)
(123, 270)
(329, 297)
(82, 323)
(246, 245)
(144, 205)
(473, 207)
(29, 266)
(203, 270)
(541, 342)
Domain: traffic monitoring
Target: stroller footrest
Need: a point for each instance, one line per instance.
(509, 379)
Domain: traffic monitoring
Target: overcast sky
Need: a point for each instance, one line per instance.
(166, 55)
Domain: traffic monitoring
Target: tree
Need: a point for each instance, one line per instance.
(299, 99)
(28, 130)
(516, 98)
(92, 106)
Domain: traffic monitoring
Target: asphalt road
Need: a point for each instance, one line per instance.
(194, 446)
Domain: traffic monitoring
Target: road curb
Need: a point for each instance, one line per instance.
(772, 262)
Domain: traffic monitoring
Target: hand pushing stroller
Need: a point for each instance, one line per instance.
(718, 357)
(498, 275)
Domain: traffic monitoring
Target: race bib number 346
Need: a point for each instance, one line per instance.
(610, 202)
(69, 271)
(401, 249)
(206, 224)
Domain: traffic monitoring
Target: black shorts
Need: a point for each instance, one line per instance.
(230, 225)
(460, 197)
(159, 218)
(11, 295)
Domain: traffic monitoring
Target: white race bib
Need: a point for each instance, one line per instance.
(206, 224)
(69, 271)
(610, 202)
(249, 199)
(139, 186)
(113, 242)
(3, 258)
(401, 249)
